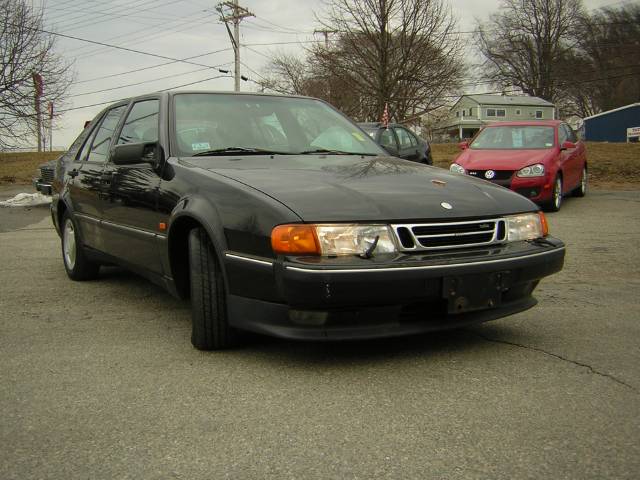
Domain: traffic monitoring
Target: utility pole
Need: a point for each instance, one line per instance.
(38, 90)
(230, 11)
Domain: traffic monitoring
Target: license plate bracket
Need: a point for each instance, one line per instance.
(467, 293)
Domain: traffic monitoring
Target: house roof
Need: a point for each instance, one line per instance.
(521, 100)
(614, 110)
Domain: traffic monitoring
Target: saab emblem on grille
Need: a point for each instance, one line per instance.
(446, 205)
(489, 174)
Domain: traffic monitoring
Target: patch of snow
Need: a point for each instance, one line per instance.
(27, 200)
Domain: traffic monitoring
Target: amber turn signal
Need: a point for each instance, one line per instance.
(298, 239)
(545, 225)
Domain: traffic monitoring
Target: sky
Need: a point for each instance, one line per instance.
(179, 29)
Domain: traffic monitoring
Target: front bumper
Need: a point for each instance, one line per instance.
(42, 186)
(345, 298)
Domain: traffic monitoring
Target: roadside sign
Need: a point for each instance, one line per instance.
(633, 134)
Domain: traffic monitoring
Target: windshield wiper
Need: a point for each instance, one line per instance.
(232, 150)
(335, 152)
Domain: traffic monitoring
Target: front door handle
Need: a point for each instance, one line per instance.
(73, 173)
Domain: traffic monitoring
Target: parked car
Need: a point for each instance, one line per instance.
(42, 183)
(277, 214)
(542, 160)
(399, 141)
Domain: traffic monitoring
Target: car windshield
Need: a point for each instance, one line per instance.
(218, 124)
(514, 137)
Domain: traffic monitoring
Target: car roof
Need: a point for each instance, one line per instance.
(375, 124)
(525, 123)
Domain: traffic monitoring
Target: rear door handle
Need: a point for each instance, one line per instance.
(73, 173)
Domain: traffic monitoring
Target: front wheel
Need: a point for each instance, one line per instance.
(209, 328)
(581, 191)
(556, 196)
(77, 265)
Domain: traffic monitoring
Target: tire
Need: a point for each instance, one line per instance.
(556, 196)
(581, 190)
(209, 327)
(76, 263)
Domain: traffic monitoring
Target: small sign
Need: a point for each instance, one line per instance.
(633, 132)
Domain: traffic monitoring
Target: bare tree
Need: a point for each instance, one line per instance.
(526, 44)
(30, 73)
(402, 52)
(604, 71)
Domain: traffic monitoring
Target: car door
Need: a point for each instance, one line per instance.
(568, 158)
(407, 144)
(84, 180)
(129, 194)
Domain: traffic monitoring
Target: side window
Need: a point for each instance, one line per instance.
(102, 139)
(413, 139)
(571, 135)
(387, 139)
(403, 138)
(539, 114)
(82, 155)
(491, 112)
(562, 135)
(141, 125)
(501, 113)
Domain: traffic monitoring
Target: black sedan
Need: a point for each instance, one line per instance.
(399, 141)
(279, 215)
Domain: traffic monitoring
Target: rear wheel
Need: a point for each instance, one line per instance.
(556, 196)
(76, 264)
(210, 329)
(581, 191)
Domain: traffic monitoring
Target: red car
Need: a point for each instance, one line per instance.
(542, 160)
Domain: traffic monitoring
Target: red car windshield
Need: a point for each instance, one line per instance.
(514, 138)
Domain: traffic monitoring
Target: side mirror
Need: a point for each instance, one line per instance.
(133, 153)
(568, 145)
(463, 145)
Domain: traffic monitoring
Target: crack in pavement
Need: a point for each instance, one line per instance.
(559, 357)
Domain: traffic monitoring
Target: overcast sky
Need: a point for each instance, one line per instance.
(180, 29)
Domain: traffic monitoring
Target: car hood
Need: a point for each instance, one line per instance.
(339, 188)
(502, 159)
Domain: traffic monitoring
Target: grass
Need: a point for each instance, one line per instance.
(21, 167)
(611, 165)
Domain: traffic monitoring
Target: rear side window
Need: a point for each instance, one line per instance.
(99, 150)
(141, 124)
(404, 138)
(387, 139)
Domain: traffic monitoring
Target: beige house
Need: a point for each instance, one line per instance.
(472, 112)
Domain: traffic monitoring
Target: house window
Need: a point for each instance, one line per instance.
(491, 112)
(539, 114)
(471, 111)
(518, 112)
(501, 113)
(458, 113)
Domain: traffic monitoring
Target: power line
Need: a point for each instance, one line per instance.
(156, 66)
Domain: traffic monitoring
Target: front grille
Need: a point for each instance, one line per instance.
(501, 177)
(46, 174)
(438, 236)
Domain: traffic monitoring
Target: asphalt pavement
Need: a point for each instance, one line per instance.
(98, 380)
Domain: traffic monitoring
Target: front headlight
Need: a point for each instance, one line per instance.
(527, 226)
(536, 170)
(330, 240)
(455, 168)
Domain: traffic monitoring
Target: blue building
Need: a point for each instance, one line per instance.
(612, 126)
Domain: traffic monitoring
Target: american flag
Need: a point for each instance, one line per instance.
(385, 115)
